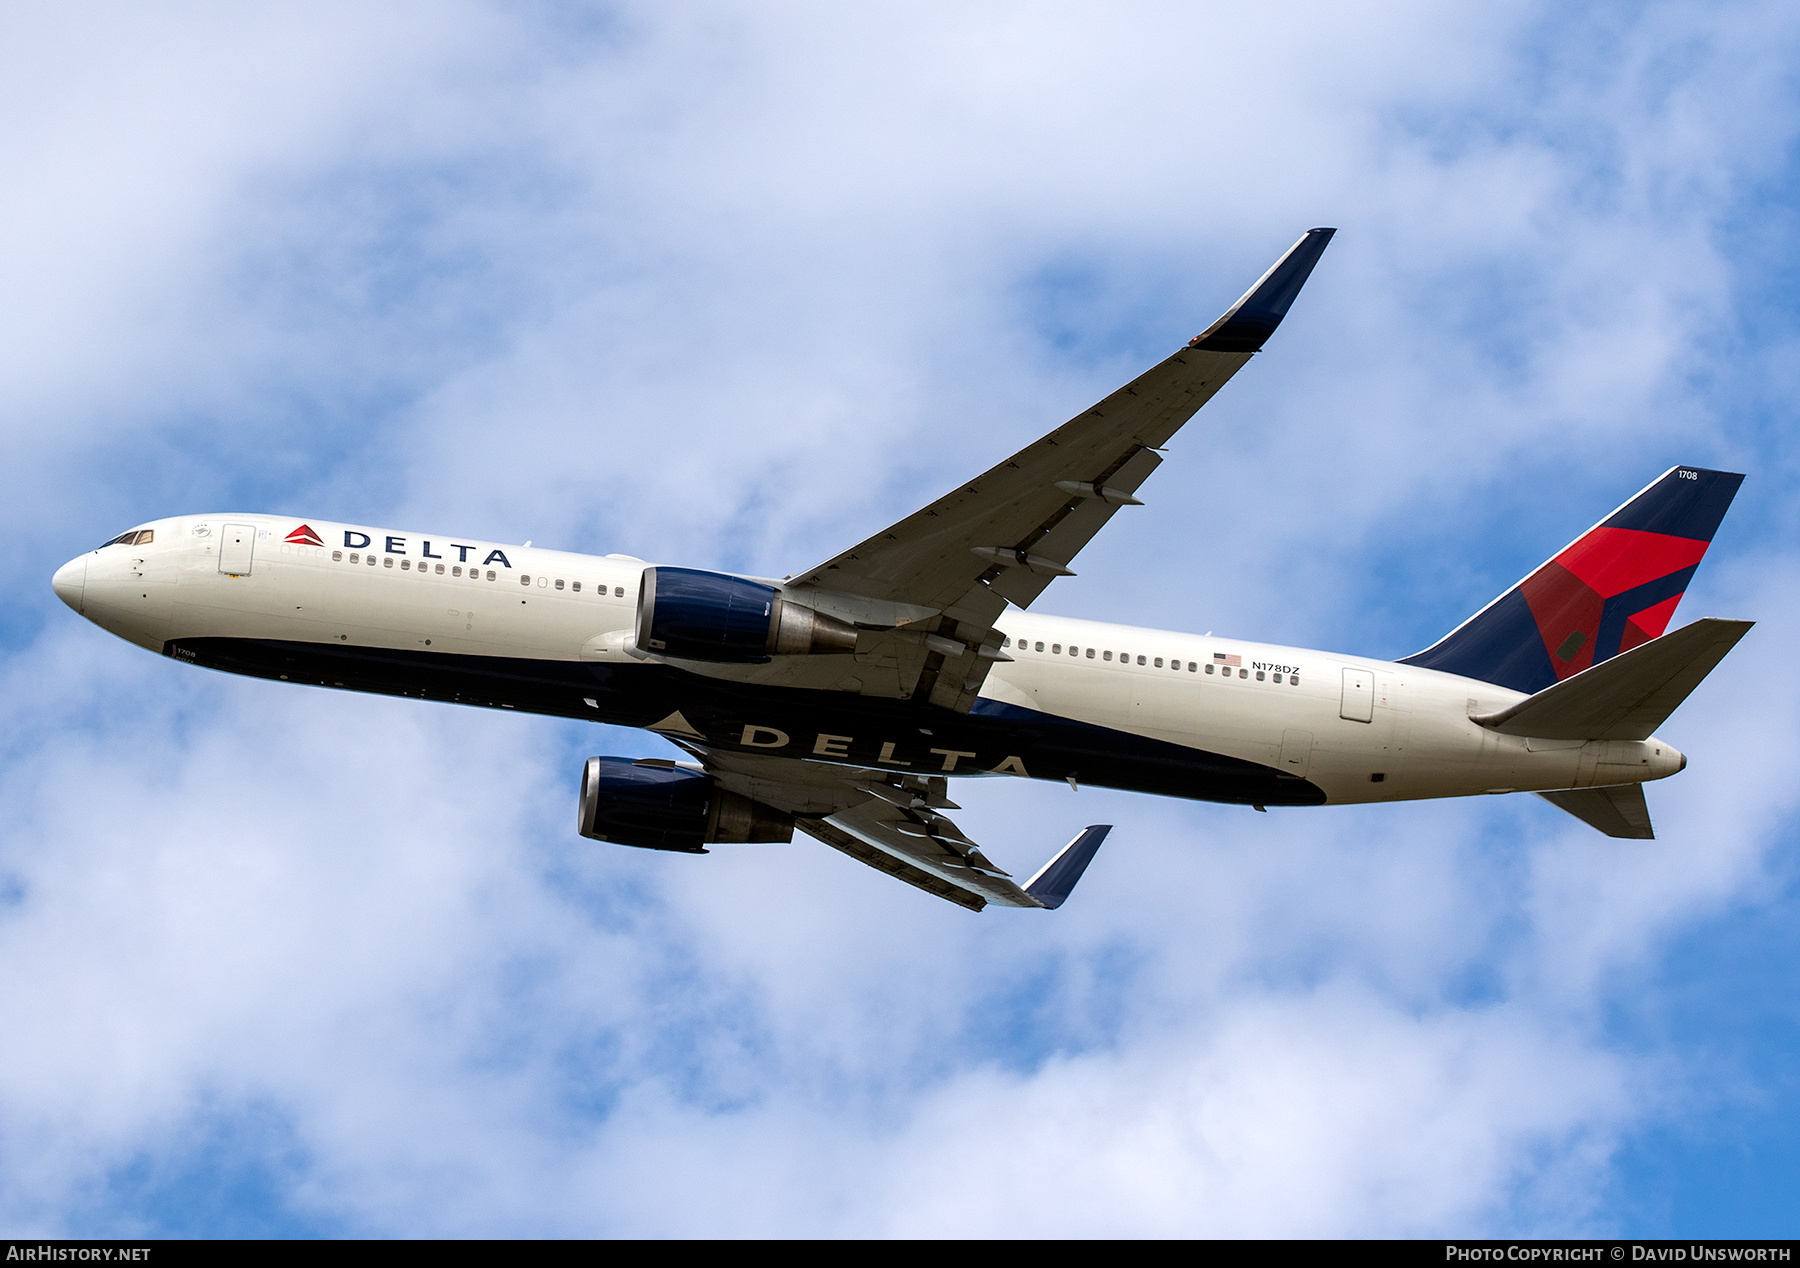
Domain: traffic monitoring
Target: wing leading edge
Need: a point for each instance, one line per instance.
(1004, 536)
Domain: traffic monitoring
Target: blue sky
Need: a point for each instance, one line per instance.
(734, 286)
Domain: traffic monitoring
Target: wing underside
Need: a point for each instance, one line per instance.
(1006, 535)
(897, 825)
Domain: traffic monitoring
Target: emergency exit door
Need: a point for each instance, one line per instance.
(236, 546)
(1359, 696)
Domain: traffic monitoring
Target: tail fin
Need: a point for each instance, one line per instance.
(1610, 590)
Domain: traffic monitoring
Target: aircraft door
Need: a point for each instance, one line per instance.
(236, 546)
(1359, 696)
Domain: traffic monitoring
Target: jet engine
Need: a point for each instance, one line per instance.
(695, 615)
(658, 805)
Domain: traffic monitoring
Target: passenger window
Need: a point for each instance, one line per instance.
(1005, 641)
(1259, 675)
(1141, 660)
(1056, 649)
(1192, 666)
(543, 581)
(1107, 656)
(559, 583)
(337, 556)
(388, 562)
(490, 574)
(525, 579)
(1040, 647)
(355, 558)
(456, 570)
(1277, 677)
(1209, 669)
(575, 586)
(1159, 662)
(1243, 673)
(371, 561)
(618, 592)
(1090, 653)
(1074, 650)
(405, 564)
(1293, 680)
(440, 570)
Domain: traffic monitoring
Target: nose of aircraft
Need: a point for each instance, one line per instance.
(70, 580)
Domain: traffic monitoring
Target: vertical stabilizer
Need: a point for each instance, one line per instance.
(1612, 589)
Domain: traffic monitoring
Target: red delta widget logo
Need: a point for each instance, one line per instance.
(304, 536)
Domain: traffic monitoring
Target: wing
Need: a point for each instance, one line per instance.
(896, 825)
(1005, 535)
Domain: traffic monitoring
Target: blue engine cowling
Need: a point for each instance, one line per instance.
(658, 805)
(695, 615)
(704, 615)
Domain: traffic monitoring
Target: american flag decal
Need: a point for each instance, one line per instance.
(1220, 658)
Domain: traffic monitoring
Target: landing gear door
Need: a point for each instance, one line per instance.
(1359, 696)
(236, 546)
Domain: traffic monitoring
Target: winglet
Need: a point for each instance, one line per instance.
(1056, 879)
(1248, 323)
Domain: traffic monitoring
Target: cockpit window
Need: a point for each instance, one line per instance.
(136, 537)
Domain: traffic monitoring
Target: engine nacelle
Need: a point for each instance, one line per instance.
(658, 805)
(695, 615)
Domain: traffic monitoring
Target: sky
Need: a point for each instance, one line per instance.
(733, 286)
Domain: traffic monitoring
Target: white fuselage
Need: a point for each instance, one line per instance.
(1360, 730)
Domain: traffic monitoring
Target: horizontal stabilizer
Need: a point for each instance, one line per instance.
(1618, 810)
(1627, 697)
(1056, 879)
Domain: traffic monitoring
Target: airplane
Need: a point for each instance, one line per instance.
(843, 700)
